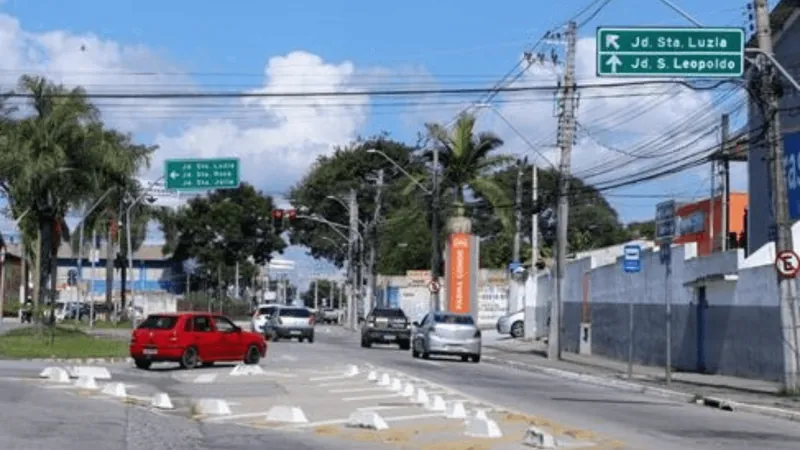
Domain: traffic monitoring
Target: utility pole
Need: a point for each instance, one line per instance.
(436, 304)
(236, 282)
(565, 136)
(531, 303)
(351, 258)
(374, 244)
(783, 224)
(726, 179)
(518, 210)
(316, 292)
(712, 207)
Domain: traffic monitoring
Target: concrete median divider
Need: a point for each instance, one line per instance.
(408, 390)
(212, 407)
(372, 376)
(115, 390)
(397, 385)
(481, 414)
(55, 375)
(456, 410)
(352, 370)
(421, 397)
(98, 373)
(482, 428)
(436, 403)
(246, 370)
(286, 414)
(536, 438)
(368, 420)
(385, 380)
(161, 400)
(86, 382)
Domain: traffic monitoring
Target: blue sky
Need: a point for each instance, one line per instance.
(226, 45)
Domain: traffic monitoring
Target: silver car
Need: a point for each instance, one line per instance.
(440, 333)
(288, 322)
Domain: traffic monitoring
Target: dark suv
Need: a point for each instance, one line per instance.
(386, 326)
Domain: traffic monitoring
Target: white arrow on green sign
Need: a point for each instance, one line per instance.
(202, 174)
(670, 52)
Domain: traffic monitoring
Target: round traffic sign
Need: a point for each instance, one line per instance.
(433, 286)
(788, 263)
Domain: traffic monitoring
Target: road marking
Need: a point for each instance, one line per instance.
(369, 397)
(387, 419)
(368, 389)
(336, 383)
(385, 407)
(332, 377)
(236, 416)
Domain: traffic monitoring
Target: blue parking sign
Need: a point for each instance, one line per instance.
(632, 259)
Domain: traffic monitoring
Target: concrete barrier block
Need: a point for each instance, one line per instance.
(212, 406)
(535, 437)
(481, 414)
(483, 428)
(385, 380)
(86, 382)
(436, 403)
(115, 390)
(456, 410)
(286, 414)
(408, 390)
(367, 419)
(396, 385)
(55, 374)
(96, 372)
(161, 400)
(352, 370)
(206, 378)
(421, 397)
(246, 370)
(372, 376)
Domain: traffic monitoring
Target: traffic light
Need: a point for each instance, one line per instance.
(72, 277)
(120, 261)
(277, 219)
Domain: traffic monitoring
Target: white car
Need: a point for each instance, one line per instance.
(513, 324)
(261, 316)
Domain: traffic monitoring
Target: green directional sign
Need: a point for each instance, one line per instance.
(201, 174)
(670, 52)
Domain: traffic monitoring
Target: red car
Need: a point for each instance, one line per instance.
(191, 339)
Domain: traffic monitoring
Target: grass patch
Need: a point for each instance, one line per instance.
(58, 342)
(98, 324)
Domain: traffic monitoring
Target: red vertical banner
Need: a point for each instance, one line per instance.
(459, 280)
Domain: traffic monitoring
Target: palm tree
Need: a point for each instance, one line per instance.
(114, 185)
(467, 162)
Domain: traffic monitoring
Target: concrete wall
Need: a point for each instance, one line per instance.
(736, 331)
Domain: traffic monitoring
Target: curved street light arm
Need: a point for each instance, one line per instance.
(401, 169)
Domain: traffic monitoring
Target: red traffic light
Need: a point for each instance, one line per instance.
(292, 214)
(277, 214)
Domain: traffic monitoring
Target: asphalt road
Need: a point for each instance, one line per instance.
(641, 421)
(33, 418)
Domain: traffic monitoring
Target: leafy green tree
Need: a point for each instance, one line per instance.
(642, 230)
(223, 228)
(593, 223)
(350, 167)
(326, 287)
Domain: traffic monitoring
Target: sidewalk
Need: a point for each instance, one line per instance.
(721, 391)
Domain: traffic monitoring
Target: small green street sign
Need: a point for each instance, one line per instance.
(201, 174)
(670, 52)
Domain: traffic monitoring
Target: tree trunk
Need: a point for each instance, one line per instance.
(45, 263)
(37, 267)
(109, 273)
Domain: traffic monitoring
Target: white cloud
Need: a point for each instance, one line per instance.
(95, 63)
(292, 132)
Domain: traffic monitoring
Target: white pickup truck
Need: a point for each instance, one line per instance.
(330, 315)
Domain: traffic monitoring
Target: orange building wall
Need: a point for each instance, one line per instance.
(738, 204)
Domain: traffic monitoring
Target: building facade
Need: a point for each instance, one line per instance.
(701, 222)
(761, 218)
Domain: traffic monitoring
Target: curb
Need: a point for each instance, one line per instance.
(712, 402)
(81, 360)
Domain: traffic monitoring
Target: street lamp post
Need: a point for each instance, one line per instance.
(2, 281)
(433, 192)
